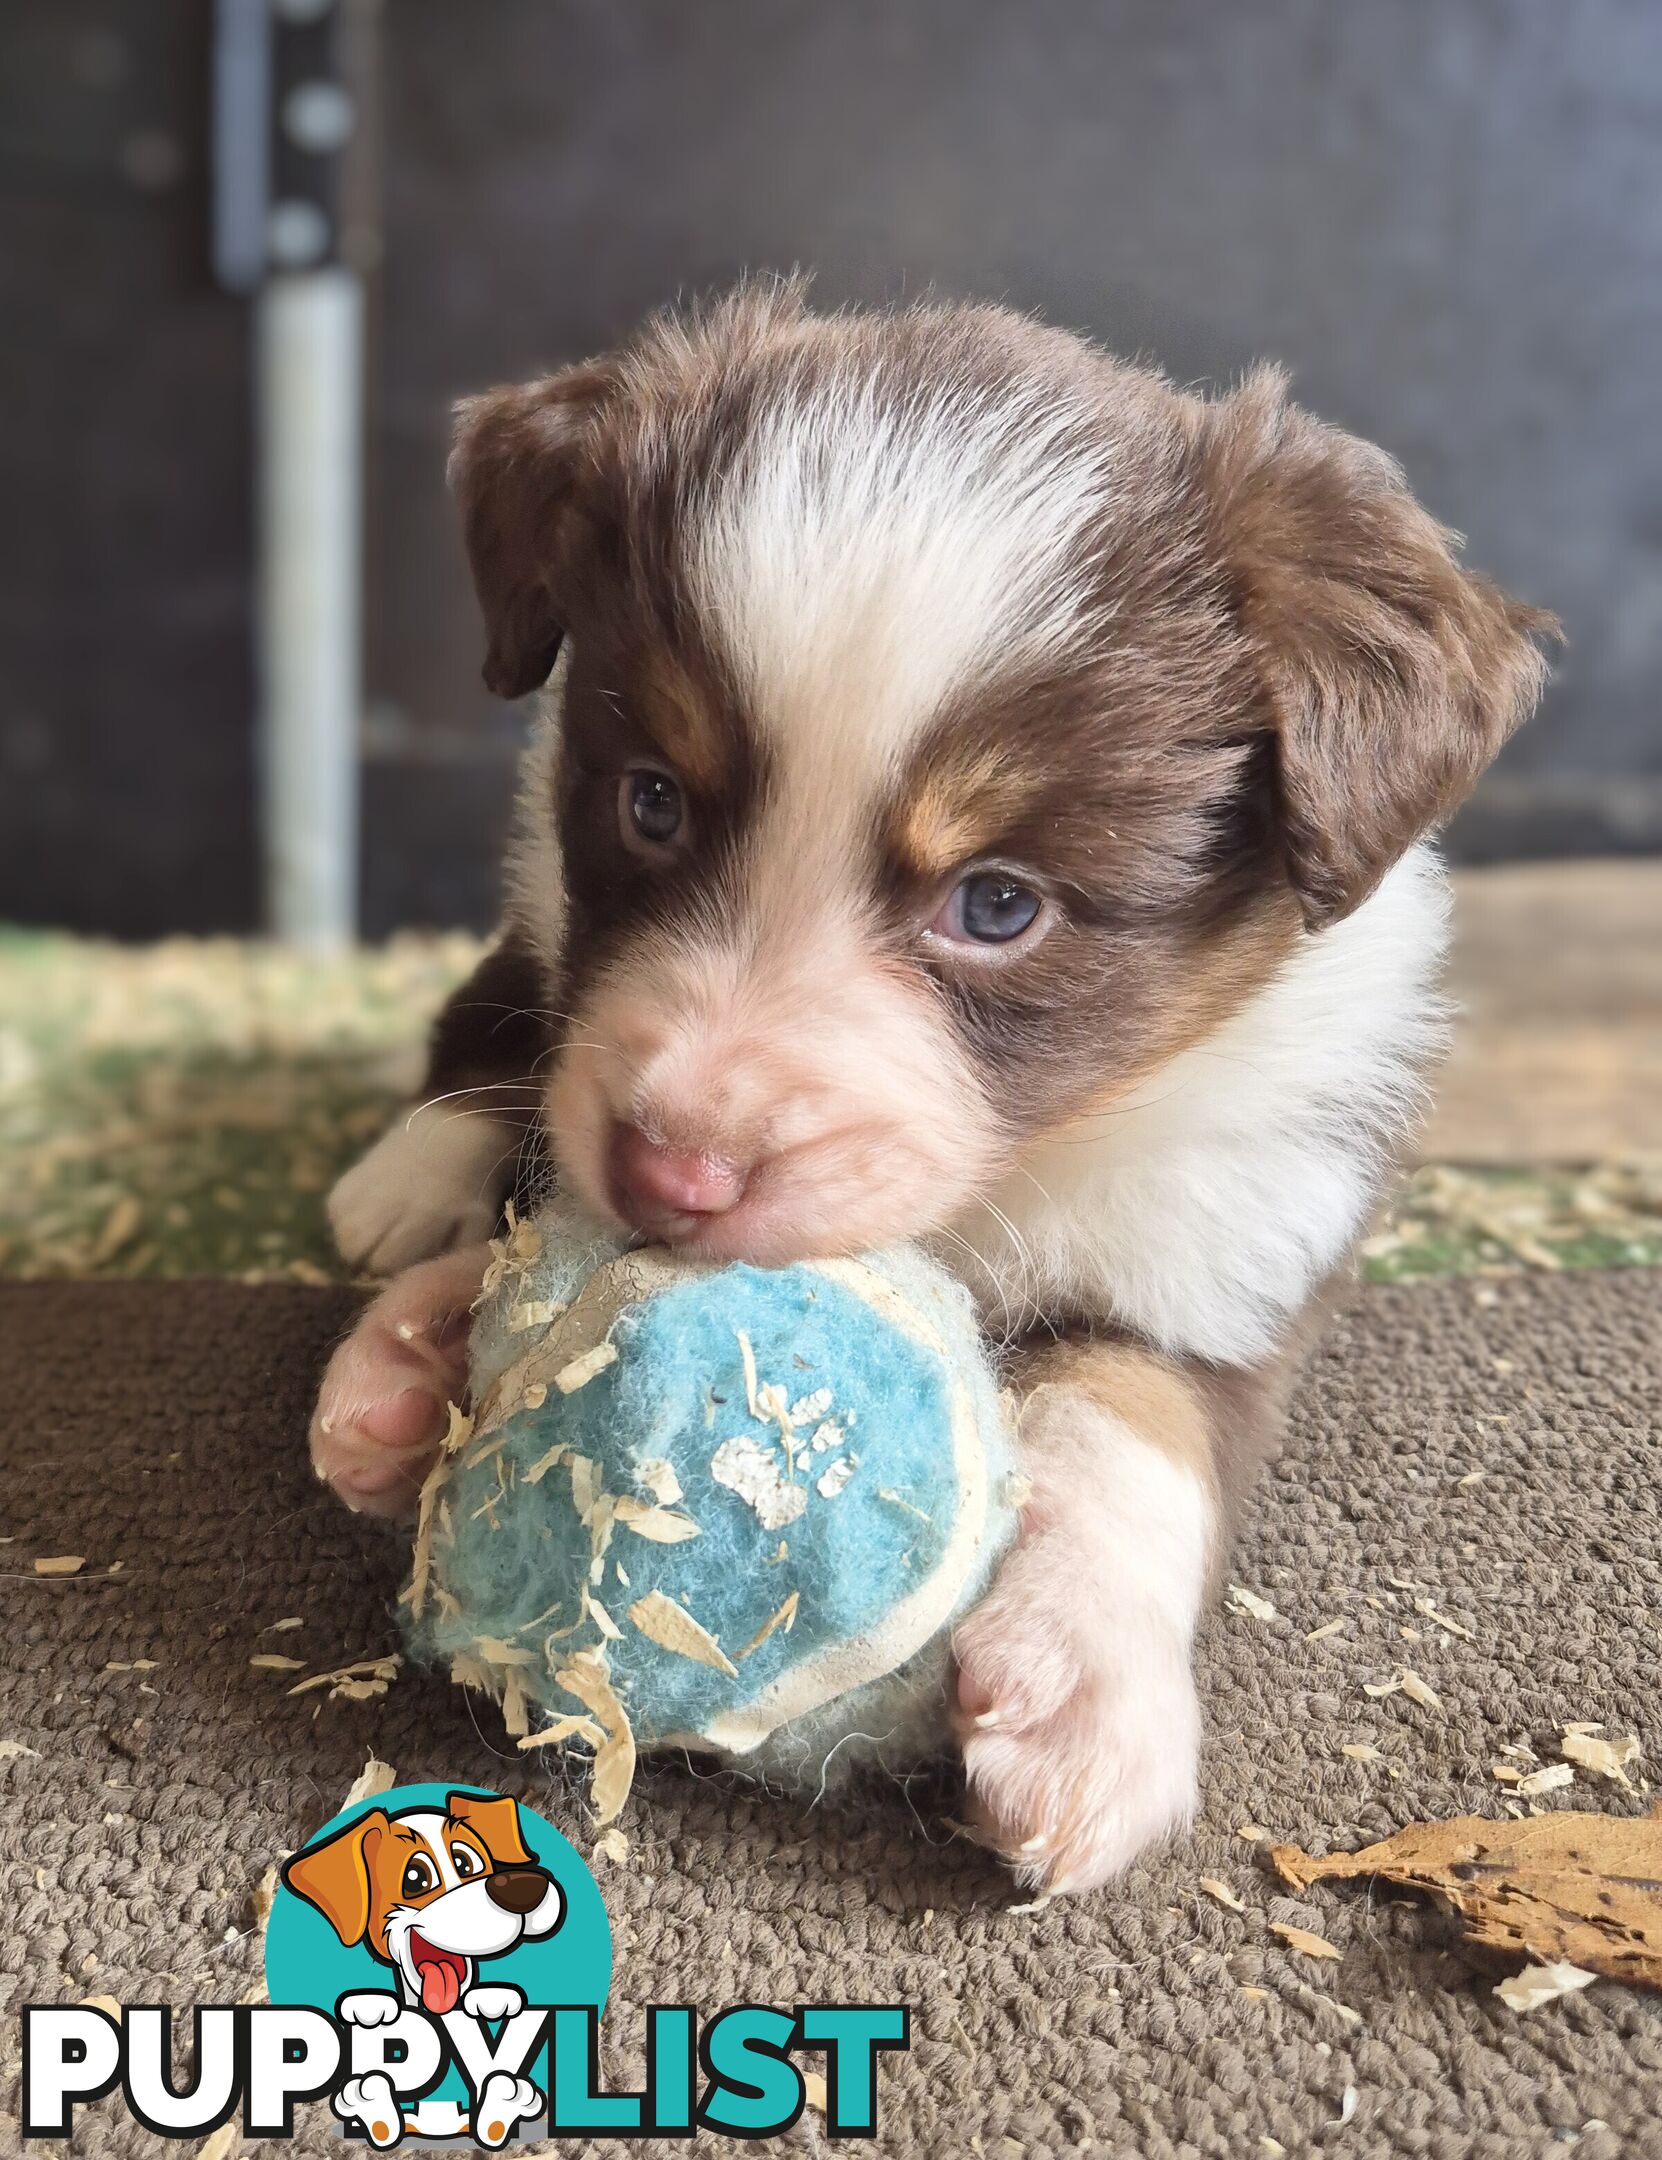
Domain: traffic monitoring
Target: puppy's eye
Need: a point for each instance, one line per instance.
(420, 1876)
(651, 809)
(989, 907)
(466, 1861)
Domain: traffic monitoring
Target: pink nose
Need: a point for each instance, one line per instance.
(653, 1185)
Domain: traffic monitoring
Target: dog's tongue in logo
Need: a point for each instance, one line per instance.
(441, 1975)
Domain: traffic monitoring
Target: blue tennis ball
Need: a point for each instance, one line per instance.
(730, 1508)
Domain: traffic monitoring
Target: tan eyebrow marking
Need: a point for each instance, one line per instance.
(677, 715)
(958, 807)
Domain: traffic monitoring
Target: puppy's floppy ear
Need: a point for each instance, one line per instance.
(1391, 674)
(514, 469)
(334, 1876)
(497, 1822)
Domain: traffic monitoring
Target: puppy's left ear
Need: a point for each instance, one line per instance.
(1391, 674)
(515, 468)
(497, 1822)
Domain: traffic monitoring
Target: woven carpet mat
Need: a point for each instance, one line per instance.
(156, 1430)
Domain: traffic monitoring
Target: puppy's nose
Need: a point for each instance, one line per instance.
(653, 1186)
(517, 1889)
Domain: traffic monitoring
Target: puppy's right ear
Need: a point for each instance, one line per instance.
(514, 470)
(334, 1876)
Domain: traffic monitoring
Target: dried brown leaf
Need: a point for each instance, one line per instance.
(1578, 1888)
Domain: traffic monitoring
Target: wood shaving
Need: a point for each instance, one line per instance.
(1610, 1759)
(662, 1526)
(1214, 1888)
(544, 1463)
(562, 1729)
(1327, 1628)
(534, 1313)
(1538, 1984)
(13, 1750)
(809, 1409)
(1505, 1773)
(1251, 1831)
(460, 1430)
(349, 1681)
(745, 1467)
(1301, 1939)
(1418, 1691)
(834, 1477)
(61, 1564)
(660, 1480)
(222, 2144)
(672, 1627)
(265, 1892)
(583, 1369)
(1582, 1888)
(612, 1845)
(1249, 1603)
(747, 1358)
(899, 1500)
(269, 1661)
(1427, 1611)
(587, 1679)
(1553, 1778)
(516, 1719)
(107, 2003)
(604, 1621)
(375, 1777)
(784, 1618)
(1362, 1751)
(120, 1227)
(585, 1486)
(813, 2084)
(283, 1627)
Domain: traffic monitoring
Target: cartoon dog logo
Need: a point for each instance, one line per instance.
(431, 1893)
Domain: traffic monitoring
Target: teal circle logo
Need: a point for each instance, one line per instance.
(444, 1899)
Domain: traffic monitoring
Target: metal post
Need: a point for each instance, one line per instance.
(285, 121)
(309, 359)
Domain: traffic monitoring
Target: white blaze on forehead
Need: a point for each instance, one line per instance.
(876, 547)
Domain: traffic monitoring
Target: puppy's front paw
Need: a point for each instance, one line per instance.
(434, 1181)
(383, 1407)
(1081, 1731)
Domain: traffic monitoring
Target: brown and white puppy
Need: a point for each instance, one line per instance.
(980, 799)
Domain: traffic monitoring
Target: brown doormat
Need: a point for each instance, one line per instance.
(155, 1429)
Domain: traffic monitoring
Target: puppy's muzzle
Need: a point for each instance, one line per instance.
(518, 1889)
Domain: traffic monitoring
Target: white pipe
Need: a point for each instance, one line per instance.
(309, 334)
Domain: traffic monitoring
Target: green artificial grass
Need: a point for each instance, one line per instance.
(182, 1109)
